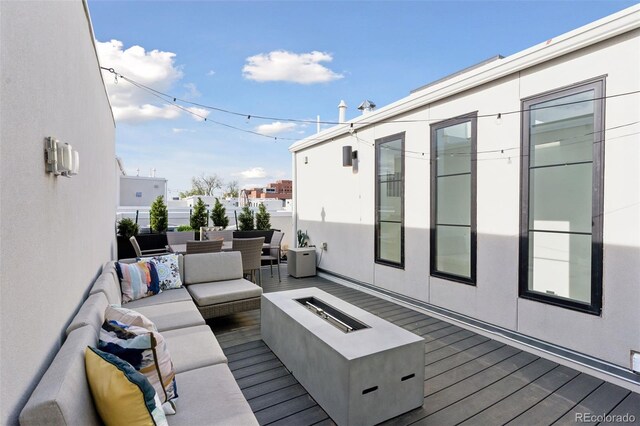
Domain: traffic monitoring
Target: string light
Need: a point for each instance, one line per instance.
(363, 123)
(351, 129)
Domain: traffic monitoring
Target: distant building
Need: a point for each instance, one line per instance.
(141, 190)
(280, 189)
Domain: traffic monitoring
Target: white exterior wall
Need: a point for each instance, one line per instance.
(149, 189)
(55, 233)
(345, 218)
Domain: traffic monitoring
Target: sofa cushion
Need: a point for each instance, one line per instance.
(193, 347)
(208, 267)
(174, 295)
(63, 397)
(137, 280)
(91, 313)
(146, 351)
(210, 395)
(168, 271)
(128, 317)
(121, 394)
(169, 316)
(108, 284)
(224, 291)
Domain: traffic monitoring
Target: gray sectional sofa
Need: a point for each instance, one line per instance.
(208, 392)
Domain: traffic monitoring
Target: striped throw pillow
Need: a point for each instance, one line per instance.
(146, 351)
(137, 280)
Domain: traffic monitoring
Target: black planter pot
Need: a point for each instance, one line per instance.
(146, 242)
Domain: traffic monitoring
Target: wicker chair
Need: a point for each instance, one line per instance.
(274, 252)
(150, 252)
(251, 250)
(207, 233)
(208, 246)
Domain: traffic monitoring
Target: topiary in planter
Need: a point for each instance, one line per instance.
(199, 217)
(127, 228)
(219, 215)
(263, 218)
(246, 219)
(158, 215)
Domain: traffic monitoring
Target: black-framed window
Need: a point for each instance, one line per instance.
(453, 199)
(562, 197)
(389, 227)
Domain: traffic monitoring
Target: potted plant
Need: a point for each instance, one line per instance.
(219, 215)
(127, 228)
(246, 219)
(199, 217)
(159, 216)
(263, 218)
(303, 237)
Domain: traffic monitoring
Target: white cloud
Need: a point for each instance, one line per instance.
(211, 72)
(146, 112)
(192, 91)
(275, 128)
(199, 114)
(153, 68)
(254, 173)
(280, 65)
(178, 130)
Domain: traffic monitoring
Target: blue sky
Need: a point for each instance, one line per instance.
(292, 59)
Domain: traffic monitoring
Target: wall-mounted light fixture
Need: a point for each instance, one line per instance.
(60, 158)
(348, 156)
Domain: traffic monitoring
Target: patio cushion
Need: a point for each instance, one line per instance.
(128, 317)
(169, 316)
(168, 271)
(108, 284)
(193, 347)
(215, 388)
(63, 396)
(91, 313)
(146, 351)
(122, 395)
(208, 267)
(224, 291)
(174, 295)
(137, 280)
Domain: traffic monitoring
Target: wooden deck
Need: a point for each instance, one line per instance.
(469, 378)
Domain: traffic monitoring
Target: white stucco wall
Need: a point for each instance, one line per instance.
(148, 189)
(344, 218)
(55, 233)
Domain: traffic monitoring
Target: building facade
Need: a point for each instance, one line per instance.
(280, 189)
(55, 240)
(507, 195)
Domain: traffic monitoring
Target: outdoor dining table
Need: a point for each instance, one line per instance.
(226, 246)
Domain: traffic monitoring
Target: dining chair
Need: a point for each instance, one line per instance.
(207, 246)
(209, 234)
(179, 237)
(274, 252)
(149, 252)
(251, 250)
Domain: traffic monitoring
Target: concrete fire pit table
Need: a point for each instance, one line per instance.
(361, 369)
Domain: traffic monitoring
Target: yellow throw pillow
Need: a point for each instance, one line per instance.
(122, 395)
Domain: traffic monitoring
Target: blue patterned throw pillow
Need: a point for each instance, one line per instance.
(168, 271)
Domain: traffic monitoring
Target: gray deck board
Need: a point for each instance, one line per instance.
(470, 379)
(601, 400)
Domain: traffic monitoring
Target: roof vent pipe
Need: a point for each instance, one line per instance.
(342, 112)
(366, 107)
